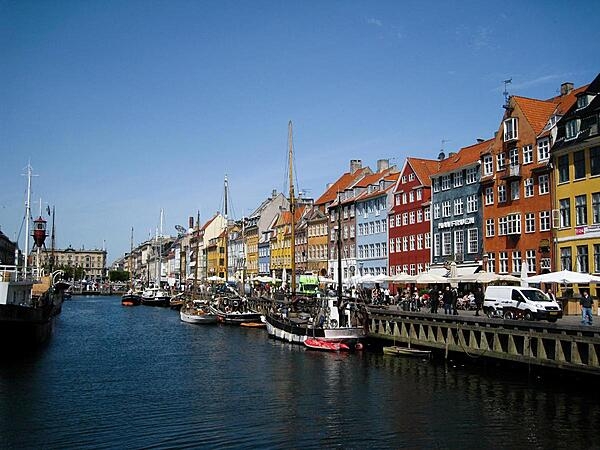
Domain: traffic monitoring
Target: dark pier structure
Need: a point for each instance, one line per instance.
(558, 345)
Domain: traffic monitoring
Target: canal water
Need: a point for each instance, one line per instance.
(115, 377)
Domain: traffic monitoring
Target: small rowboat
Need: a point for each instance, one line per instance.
(405, 351)
(328, 346)
(253, 325)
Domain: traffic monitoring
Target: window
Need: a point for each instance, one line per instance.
(501, 193)
(510, 129)
(419, 194)
(503, 259)
(427, 240)
(427, 214)
(565, 212)
(458, 206)
(565, 258)
(543, 148)
(491, 262)
(582, 101)
(582, 259)
(404, 218)
(458, 179)
(513, 156)
(397, 197)
(419, 242)
(404, 198)
(419, 215)
(528, 187)
(514, 224)
(572, 129)
(392, 246)
(446, 209)
(436, 211)
(502, 226)
(411, 217)
(596, 258)
(446, 243)
(488, 165)
(472, 203)
(405, 243)
(472, 174)
(595, 161)
(411, 177)
(500, 161)
(411, 196)
(579, 164)
(527, 154)
(403, 179)
(383, 225)
(581, 210)
(544, 184)
(489, 228)
(544, 220)
(436, 245)
(436, 185)
(596, 208)
(398, 245)
(459, 242)
(530, 258)
(530, 223)
(514, 190)
(445, 182)
(516, 261)
(563, 168)
(489, 195)
(412, 242)
(473, 241)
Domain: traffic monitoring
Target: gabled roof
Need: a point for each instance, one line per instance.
(465, 157)
(205, 226)
(423, 168)
(342, 183)
(537, 112)
(286, 216)
(566, 101)
(378, 193)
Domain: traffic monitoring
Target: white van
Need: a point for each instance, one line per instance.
(512, 302)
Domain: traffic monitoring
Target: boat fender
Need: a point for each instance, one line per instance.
(235, 303)
(333, 323)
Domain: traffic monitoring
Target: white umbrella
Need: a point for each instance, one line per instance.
(403, 277)
(524, 272)
(430, 278)
(564, 277)
(383, 278)
(326, 280)
(215, 278)
(283, 278)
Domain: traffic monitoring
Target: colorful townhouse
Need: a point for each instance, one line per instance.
(316, 222)
(516, 187)
(264, 248)
(409, 218)
(576, 162)
(342, 213)
(457, 215)
(281, 242)
(371, 226)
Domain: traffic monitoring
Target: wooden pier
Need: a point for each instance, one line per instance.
(557, 345)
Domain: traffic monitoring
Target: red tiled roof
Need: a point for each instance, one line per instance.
(566, 101)
(537, 112)
(286, 216)
(423, 168)
(342, 183)
(464, 157)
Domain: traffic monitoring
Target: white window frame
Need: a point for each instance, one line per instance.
(544, 184)
(543, 150)
(472, 240)
(511, 129)
(528, 188)
(490, 228)
(527, 154)
(488, 165)
(472, 203)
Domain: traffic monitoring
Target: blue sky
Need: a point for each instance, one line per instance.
(127, 107)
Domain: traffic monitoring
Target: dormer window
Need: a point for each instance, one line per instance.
(582, 101)
(403, 179)
(572, 129)
(510, 129)
(411, 177)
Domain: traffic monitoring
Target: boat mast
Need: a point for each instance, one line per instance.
(53, 242)
(339, 249)
(226, 233)
(27, 215)
(159, 266)
(130, 255)
(197, 233)
(292, 208)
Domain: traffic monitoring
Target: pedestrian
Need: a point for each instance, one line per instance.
(586, 308)
(454, 301)
(447, 298)
(434, 299)
(479, 297)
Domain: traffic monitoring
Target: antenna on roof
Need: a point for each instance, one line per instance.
(442, 154)
(506, 96)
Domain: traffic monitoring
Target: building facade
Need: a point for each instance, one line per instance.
(93, 262)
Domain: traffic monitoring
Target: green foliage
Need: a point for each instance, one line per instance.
(118, 275)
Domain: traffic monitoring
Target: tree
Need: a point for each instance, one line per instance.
(118, 275)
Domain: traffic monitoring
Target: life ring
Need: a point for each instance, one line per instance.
(333, 323)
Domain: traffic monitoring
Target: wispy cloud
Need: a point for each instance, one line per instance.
(535, 81)
(374, 21)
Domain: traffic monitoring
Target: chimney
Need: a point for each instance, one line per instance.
(441, 156)
(565, 88)
(383, 164)
(479, 140)
(355, 164)
(274, 193)
(191, 222)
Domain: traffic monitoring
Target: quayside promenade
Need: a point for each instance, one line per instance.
(565, 344)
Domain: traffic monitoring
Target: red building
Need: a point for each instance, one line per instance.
(409, 237)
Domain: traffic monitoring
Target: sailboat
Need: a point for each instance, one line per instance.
(131, 297)
(330, 319)
(232, 307)
(28, 300)
(155, 295)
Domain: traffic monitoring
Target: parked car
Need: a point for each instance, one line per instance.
(511, 302)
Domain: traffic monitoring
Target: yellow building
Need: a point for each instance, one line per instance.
(576, 162)
(216, 256)
(252, 249)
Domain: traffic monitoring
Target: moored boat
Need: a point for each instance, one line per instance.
(405, 351)
(197, 312)
(155, 297)
(323, 345)
(131, 298)
(234, 311)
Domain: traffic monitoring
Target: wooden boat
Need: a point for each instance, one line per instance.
(177, 302)
(235, 311)
(131, 298)
(328, 346)
(253, 325)
(405, 351)
(155, 297)
(197, 313)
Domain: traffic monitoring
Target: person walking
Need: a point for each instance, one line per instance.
(454, 301)
(434, 299)
(479, 297)
(447, 298)
(586, 308)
